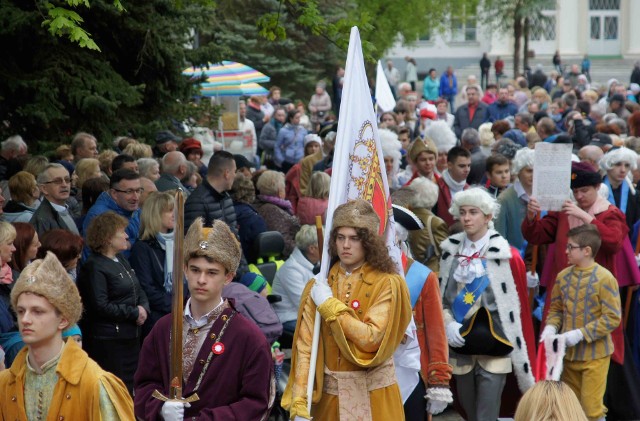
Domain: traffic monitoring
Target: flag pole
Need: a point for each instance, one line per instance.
(316, 327)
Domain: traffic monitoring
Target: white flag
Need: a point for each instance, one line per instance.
(357, 172)
(384, 97)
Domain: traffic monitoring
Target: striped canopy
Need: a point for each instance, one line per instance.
(243, 89)
(227, 73)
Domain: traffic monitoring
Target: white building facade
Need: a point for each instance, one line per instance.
(602, 28)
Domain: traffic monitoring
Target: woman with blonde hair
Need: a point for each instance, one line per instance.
(549, 401)
(152, 256)
(317, 199)
(7, 236)
(138, 150)
(24, 197)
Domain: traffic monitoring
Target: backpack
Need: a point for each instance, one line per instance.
(254, 307)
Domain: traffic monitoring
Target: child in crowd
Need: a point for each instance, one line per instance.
(498, 174)
(585, 308)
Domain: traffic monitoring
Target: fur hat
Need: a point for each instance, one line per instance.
(356, 214)
(217, 243)
(48, 278)
(583, 174)
(420, 146)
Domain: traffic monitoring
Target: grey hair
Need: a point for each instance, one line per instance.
(270, 183)
(306, 237)
(43, 177)
(471, 136)
(478, 197)
(610, 159)
(426, 193)
(145, 165)
(523, 159)
(13, 144)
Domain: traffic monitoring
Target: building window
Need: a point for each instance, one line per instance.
(425, 37)
(543, 27)
(604, 4)
(464, 25)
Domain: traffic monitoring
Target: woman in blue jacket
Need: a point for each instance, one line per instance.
(289, 148)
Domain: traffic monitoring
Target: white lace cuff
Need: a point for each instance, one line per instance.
(439, 394)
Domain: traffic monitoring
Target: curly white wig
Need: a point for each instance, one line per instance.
(426, 193)
(391, 147)
(442, 135)
(486, 135)
(478, 197)
(523, 159)
(610, 159)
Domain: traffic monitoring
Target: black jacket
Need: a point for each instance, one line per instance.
(111, 295)
(47, 218)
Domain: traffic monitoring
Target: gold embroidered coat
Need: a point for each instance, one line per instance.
(351, 340)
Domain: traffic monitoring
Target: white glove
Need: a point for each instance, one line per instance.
(320, 292)
(532, 280)
(438, 398)
(572, 337)
(547, 332)
(453, 335)
(299, 418)
(173, 410)
(638, 260)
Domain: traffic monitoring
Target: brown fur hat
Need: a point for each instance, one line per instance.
(420, 146)
(217, 243)
(48, 278)
(356, 214)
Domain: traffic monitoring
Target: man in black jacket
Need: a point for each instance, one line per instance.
(211, 200)
(53, 212)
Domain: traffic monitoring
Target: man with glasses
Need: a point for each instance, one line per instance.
(123, 198)
(53, 212)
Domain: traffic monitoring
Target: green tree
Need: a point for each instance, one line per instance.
(512, 16)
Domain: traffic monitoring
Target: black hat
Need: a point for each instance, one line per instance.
(406, 218)
(482, 336)
(242, 162)
(165, 136)
(583, 174)
(330, 127)
(563, 138)
(600, 140)
(617, 97)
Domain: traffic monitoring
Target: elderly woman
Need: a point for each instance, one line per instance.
(289, 147)
(67, 247)
(115, 304)
(618, 165)
(483, 284)
(152, 257)
(317, 199)
(294, 274)
(319, 105)
(24, 197)
(149, 168)
(275, 210)
(26, 246)
(392, 155)
(7, 236)
(250, 223)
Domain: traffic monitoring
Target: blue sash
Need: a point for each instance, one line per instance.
(624, 194)
(472, 292)
(415, 278)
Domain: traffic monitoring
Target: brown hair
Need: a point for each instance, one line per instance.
(24, 236)
(375, 250)
(586, 235)
(495, 160)
(21, 187)
(102, 229)
(63, 243)
(500, 127)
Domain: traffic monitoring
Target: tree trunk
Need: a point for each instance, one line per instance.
(517, 34)
(525, 35)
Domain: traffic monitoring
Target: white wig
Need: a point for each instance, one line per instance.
(486, 135)
(523, 159)
(442, 135)
(391, 147)
(478, 197)
(426, 193)
(610, 159)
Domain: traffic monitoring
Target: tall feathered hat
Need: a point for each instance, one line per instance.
(48, 278)
(217, 243)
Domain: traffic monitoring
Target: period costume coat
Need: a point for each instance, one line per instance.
(375, 327)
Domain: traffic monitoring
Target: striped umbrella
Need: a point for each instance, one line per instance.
(227, 73)
(242, 89)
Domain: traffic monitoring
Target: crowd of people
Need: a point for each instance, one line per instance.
(87, 244)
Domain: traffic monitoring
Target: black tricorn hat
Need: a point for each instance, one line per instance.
(483, 337)
(406, 218)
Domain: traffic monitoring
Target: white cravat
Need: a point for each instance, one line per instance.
(470, 266)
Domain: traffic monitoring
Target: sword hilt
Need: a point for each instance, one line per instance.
(158, 395)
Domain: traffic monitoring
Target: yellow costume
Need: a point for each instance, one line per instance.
(78, 394)
(361, 327)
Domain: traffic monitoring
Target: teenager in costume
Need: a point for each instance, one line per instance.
(226, 359)
(425, 295)
(365, 310)
(51, 378)
(486, 310)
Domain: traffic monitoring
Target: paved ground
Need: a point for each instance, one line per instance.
(451, 415)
